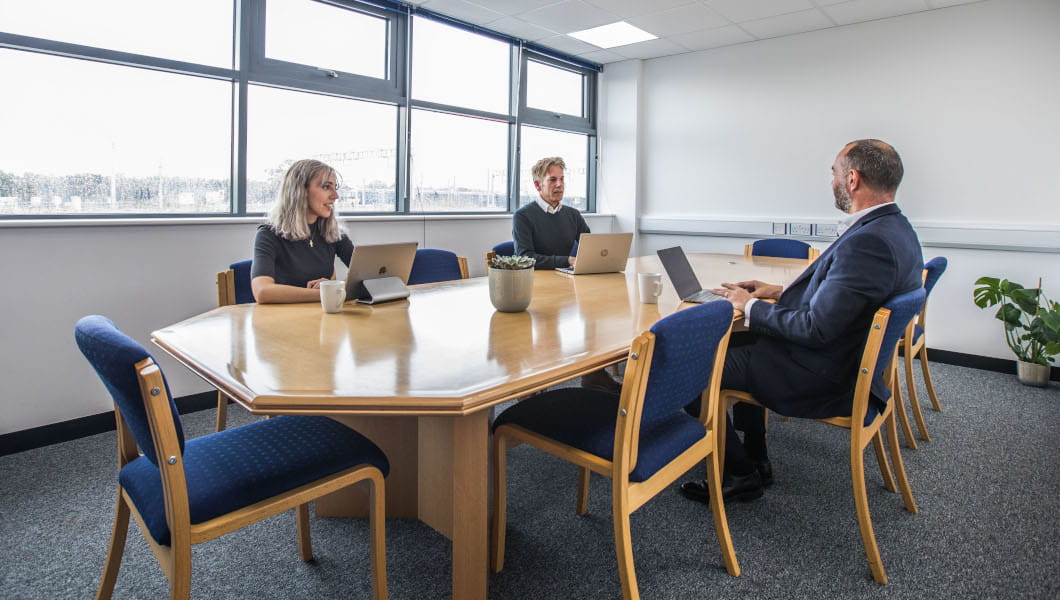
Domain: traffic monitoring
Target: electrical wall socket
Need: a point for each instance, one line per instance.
(780, 228)
(826, 230)
(799, 228)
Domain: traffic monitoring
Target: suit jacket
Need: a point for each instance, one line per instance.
(810, 342)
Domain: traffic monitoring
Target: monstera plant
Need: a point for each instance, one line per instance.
(1032, 322)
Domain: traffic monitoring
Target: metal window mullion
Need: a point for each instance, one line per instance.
(249, 18)
(403, 162)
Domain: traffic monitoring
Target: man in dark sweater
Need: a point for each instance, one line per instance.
(545, 229)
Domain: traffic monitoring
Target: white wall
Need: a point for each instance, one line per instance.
(967, 94)
(145, 277)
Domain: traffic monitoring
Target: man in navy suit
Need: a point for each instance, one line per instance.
(805, 349)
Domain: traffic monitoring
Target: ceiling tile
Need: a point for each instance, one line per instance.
(568, 16)
(797, 22)
(683, 19)
(565, 43)
(857, 11)
(713, 38)
(519, 28)
(632, 8)
(603, 56)
(747, 10)
(512, 7)
(650, 49)
(465, 11)
(945, 3)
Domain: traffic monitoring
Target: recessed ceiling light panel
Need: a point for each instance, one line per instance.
(615, 34)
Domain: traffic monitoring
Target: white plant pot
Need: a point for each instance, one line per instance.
(511, 290)
(1032, 373)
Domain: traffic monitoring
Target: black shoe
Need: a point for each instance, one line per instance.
(742, 487)
(601, 382)
(765, 470)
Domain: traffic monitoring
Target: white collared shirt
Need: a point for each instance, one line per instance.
(545, 206)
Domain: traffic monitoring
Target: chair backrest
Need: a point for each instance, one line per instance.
(431, 264)
(114, 355)
(241, 269)
(683, 357)
(505, 249)
(903, 308)
(934, 269)
(781, 248)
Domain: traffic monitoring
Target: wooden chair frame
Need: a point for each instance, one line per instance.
(627, 496)
(175, 559)
(226, 296)
(909, 349)
(860, 437)
(463, 267)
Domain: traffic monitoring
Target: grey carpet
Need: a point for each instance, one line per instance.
(986, 486)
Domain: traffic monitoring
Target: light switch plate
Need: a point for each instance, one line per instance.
(780, 228)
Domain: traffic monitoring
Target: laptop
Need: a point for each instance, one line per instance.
(376, 261)
(684, 279)
(600, 253)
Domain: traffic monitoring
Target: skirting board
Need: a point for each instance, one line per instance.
(1017, 238)
(56, 433)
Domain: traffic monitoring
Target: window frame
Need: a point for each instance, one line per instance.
(251, 66)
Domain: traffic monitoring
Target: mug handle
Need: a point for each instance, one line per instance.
(658, 289)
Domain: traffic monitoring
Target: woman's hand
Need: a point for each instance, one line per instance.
(315, 284)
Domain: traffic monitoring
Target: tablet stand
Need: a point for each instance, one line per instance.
(382, 289)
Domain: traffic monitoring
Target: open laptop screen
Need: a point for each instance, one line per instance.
(680, 271)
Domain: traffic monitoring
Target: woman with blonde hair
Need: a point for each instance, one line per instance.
(296, 249)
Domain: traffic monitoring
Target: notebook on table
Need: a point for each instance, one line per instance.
(683, 277)
(599, 253)
(386, 263)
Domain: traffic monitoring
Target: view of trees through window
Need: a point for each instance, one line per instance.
(146, 124)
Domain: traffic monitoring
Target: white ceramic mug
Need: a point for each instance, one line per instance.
(650, 287)
(332, 295)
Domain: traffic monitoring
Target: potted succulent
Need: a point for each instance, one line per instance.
(1032, 324)
(511, 280)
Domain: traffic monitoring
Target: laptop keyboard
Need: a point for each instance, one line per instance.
(704, 296)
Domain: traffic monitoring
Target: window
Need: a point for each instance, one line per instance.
(159, 29)
(357, 138)
(458, 163)
(117, 108)
(332, 39)
(538, 143)
(90, 138)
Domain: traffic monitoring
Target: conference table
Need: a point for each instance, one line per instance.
(419, 376)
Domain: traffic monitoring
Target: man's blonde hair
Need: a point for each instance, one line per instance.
(288, 215)
(542, 166)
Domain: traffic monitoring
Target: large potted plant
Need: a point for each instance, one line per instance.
(511, 280)
(1032, 324)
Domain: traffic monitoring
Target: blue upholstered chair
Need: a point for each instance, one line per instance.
(914, 342)
(233, 287)
(642, 440)
(432, 265)
(184, 492)
(501, 249)
(879, 361)
(781, 248)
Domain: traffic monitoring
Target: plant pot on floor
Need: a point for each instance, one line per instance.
(1032, 373)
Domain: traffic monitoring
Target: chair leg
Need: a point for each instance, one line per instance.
(583, 491)
(885, 467)
(305, 542)
(222, 411)
(903, 418)
(721, 521)
(377, 539)
(927, 378)
(861, 505)
(180, 584)
(500, 500)
(914, 399)
(623, 542)
(899, 466)
(116, 551)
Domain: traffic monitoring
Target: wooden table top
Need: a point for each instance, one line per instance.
(445, 350)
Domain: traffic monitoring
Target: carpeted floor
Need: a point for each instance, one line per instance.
(987, 488)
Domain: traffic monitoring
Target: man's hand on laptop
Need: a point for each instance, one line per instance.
(760, 289)
(571, 260)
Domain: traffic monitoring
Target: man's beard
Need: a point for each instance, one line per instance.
(842, 198)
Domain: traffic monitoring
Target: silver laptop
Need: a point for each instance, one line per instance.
(600, 253)
(376, 261)
(683, 277)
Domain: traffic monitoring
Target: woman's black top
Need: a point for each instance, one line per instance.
(299, 262)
